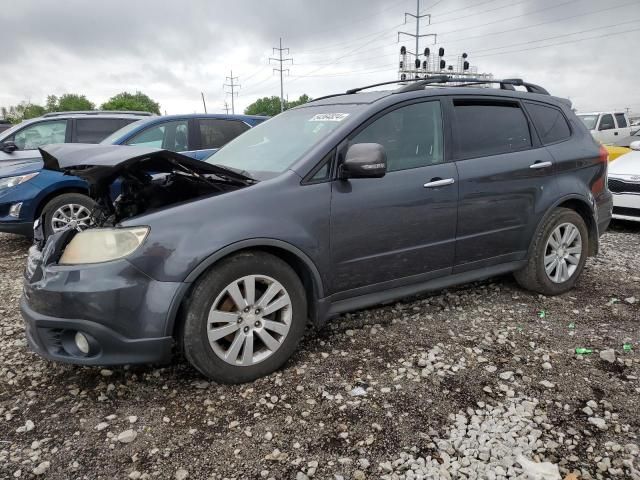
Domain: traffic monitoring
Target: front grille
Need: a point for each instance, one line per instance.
(627, 212)
(619, 186)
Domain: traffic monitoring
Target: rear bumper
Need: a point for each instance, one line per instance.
(603, 214)
(53, 338)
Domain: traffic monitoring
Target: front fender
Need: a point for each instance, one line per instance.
(186, 239)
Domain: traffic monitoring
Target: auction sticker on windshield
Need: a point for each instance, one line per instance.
(329, 117)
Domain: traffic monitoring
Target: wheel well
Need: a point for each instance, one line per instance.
(298, 265)
(585, 212)
(50, 196)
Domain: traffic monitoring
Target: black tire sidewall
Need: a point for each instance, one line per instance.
(196, 345)
(59, 201)
(566, 216)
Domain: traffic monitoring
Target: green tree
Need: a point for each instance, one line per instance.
(271, 105)
(264, 106)
(68, 102)
(304, 98)
(131, 101)
(22, 111)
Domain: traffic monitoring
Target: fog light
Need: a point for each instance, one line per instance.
(14, 211)
(82, 342)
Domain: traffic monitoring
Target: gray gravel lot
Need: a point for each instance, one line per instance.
(474, 382)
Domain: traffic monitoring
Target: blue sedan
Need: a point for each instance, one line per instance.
(28, 192)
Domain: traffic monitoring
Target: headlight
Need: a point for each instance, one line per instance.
(9, 182)
(103, 245)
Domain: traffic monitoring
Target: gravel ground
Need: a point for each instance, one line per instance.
(479, 381)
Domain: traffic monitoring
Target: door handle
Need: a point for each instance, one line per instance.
(541, 165)
(615, 133)
(439, 182)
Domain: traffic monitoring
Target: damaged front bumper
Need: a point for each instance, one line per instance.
(122, 314)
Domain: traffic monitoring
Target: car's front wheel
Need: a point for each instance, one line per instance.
(558, 254)
(244, 318)
(69, 210)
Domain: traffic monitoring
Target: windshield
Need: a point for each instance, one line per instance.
(123, 131)
(589, 121)
(273, 146)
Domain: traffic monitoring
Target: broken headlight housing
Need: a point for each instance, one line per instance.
(103, 245)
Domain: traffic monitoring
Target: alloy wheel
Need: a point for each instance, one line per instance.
(249, 320)
(72, 216)
(563, 252)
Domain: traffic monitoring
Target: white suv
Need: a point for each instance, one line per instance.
(607, 127)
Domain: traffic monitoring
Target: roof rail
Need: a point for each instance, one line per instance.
(100, 112)
(505, 84)
(414, 84)
(438, 79)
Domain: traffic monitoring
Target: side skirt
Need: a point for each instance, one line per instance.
(328, 308)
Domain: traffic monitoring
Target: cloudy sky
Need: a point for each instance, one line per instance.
(582, 49)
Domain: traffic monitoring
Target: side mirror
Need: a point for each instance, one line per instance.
(635, 145)
(8, 147)
(364, 160)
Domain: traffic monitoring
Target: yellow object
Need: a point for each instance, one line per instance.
(615, 152)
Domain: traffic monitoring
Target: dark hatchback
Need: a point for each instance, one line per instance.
(343, 203)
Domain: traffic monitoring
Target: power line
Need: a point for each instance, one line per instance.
(560, 43)
(281, 61)
(232, 84)
(517, 29)
(484, 11)
(464, 8)
(508, 18)
(557, 36)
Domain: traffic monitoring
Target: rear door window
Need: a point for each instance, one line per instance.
(606, 122)
(621, 120)
(41, 133)
(485, 127)
(169, 135)
(214, 133)
(94, 130)
(549, 122)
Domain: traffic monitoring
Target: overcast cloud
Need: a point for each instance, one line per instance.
(174, 50)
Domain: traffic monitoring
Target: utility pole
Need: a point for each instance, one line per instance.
(203, 102)
(281, 61)
(233, 84)
(226, 107)
(417, 35)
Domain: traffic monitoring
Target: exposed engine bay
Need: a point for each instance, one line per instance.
(128, 181)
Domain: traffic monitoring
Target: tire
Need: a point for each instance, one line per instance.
(534, 276)
(66, 201)
(211, 299)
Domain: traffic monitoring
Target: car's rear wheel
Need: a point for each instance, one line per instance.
(244, 318)
(69, 210)
(558, 254)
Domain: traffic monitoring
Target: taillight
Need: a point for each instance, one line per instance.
(604, 155)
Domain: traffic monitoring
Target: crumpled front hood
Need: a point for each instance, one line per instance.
(12, 168)
(128, 181)
(104, 163)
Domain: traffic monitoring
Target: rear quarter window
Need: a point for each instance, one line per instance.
(485, 128)
(549, 122)
(621, 120)
(94, 130)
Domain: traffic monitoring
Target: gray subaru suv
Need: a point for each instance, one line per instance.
(348, 201)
